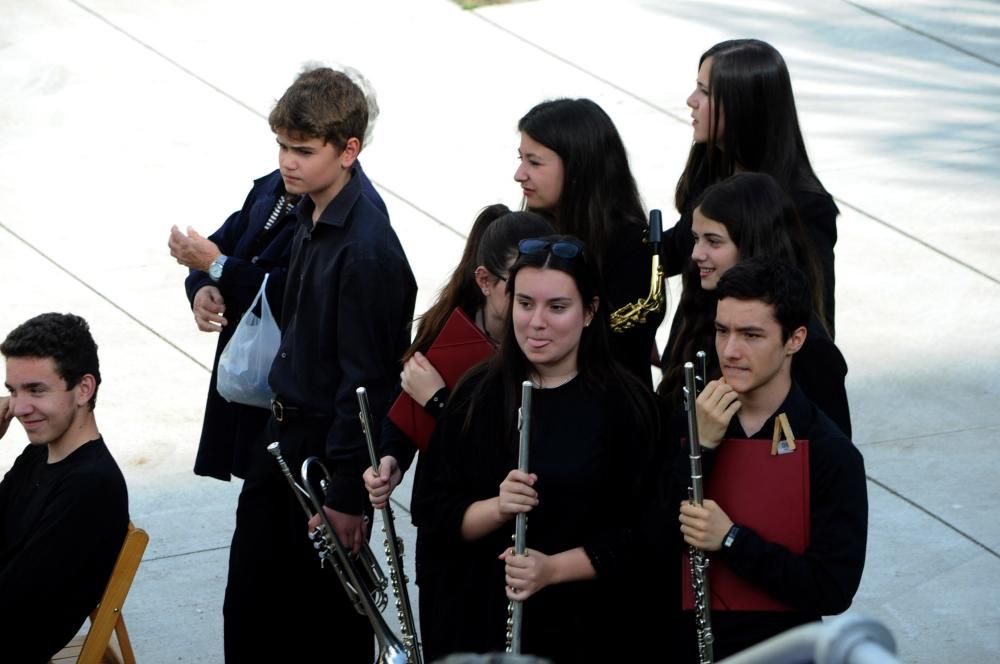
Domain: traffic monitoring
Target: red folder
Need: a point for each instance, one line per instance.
(458, 347)
(768, 493)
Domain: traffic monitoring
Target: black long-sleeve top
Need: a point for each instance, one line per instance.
(592, 471)
(61, 527)
(346, 322)
(822, 580)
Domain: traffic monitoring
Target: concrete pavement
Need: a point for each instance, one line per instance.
(119, 119)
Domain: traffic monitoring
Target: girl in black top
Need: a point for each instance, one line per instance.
(478, 287)
(744, 119)
(592, 427)
(742, 217)
(575, 171)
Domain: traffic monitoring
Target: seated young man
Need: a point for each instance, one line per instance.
(63, 504)
(760, 323)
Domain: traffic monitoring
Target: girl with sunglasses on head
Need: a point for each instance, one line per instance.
(744, 119)
(574, 170)
(478, 288)
(748, 216)
(593, 425)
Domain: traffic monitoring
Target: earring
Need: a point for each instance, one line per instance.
(486, 292)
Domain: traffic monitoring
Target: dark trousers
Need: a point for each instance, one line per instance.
(280, 605)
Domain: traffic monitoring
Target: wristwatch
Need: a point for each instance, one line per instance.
(215, 269)
(727, 542)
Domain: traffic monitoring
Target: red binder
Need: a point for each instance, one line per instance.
(770, 494)
(458, 347)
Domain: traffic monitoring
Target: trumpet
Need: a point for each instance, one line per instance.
(515, 608)
(330, 549)
(636, 313)
(698, 559)
(393, 547)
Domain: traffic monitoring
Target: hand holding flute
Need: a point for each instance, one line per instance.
(525, 572)
(381, 483)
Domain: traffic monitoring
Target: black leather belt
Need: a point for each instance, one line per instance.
(285, 413)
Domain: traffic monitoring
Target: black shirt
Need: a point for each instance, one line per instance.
(593, 469)
(823, 580)
(345, 324)
(61, 527)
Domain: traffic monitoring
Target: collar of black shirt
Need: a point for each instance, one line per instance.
(337, 211)
(801, 413)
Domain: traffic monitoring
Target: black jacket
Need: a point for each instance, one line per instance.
(823, 580)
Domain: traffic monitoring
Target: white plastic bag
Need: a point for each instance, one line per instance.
(246, 360)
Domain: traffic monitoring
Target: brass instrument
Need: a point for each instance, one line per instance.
(393, 547)
(515, 608)
(636, 313)
(698, 558)
(330, 549)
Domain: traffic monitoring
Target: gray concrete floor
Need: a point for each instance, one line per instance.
(119, 119)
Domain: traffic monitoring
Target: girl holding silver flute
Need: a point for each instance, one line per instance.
(593, 427)
(477, 287)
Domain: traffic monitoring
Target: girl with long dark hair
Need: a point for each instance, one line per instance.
(478, 288)
(744, 119)
(593, 427)
(747, 216)
(575, 171)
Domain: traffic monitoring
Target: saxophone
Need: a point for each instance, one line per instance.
(636, 313)
(393, 548)
(698, 558)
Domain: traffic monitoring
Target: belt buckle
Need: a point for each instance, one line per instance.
(278, 410)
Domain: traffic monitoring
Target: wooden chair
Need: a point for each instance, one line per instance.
(95, 647)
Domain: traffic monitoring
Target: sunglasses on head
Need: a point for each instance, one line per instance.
(561, 248)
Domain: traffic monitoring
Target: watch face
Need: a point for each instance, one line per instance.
(215, 270)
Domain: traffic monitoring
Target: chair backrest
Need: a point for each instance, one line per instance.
(108, 613)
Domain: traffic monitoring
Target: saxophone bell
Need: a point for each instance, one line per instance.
(636, 313)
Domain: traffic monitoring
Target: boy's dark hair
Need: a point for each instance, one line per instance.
(66, 339)
(777, 283)
(322, 103)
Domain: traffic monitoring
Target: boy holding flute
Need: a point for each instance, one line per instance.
(761, 320)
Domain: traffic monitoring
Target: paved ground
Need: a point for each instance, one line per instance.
(119, 119)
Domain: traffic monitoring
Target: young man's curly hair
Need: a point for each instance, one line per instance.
(65, 338)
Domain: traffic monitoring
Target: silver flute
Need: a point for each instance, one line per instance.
(393, 546)
(515, 609)
(330, 549)
(698, 558)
